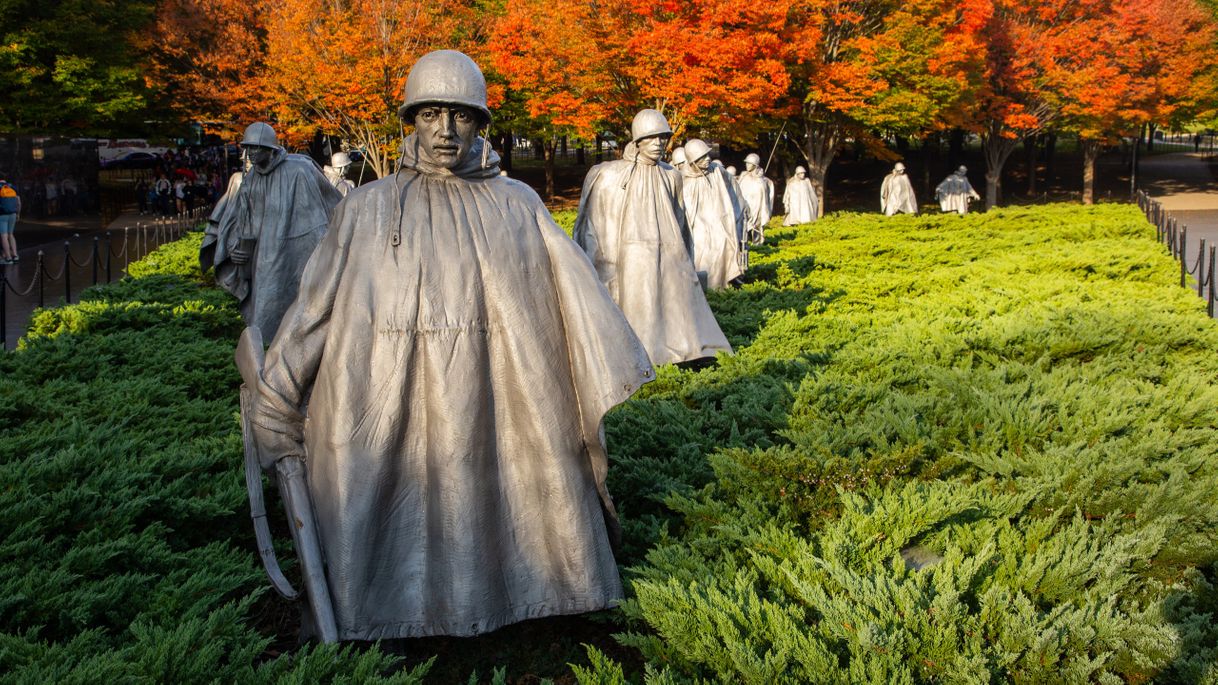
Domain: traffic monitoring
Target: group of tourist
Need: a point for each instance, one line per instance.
(184, 179)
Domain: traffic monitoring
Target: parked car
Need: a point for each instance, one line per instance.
(132, 160)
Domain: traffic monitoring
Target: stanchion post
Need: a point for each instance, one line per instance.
(96, 256)
(1201, 268)
(3, 312)
(67, 272)
(109, 254)
(1183, 256)
(39, 273)
(1212, 289)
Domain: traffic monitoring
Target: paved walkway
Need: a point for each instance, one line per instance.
(1184, 183)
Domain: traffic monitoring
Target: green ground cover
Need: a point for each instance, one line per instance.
(970, 450)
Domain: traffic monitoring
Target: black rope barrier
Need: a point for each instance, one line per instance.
(163, 230)
(1173, 235)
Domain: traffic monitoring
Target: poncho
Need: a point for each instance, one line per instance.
(214, 252)
(338, 180)
(757, 191)
(285, 209)
(954, 194)
(716, 222)
(458, 354)
(897, 195)
(631, 223)
(799, 200)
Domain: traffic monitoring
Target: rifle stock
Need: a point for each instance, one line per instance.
(293, 487)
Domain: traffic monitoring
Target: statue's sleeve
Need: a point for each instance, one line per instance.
(584, 232)
(296, 352)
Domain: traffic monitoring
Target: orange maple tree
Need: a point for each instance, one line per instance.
(340, 66)
(1142, 62)
(207, 55)
(580, 67)
(859, 67)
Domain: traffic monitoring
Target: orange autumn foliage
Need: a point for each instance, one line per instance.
(339, 66)
(207, 55)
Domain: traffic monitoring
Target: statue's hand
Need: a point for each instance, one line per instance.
(239, 256)
(276, 436)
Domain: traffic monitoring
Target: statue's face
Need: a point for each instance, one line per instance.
(652, 148)
(749, 166)
(703, 162)
(801, 174)
(258, 156)
(446, 134)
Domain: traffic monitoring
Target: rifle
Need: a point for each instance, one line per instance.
(765, 169)
(293, 488)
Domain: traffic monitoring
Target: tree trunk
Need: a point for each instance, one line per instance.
(1150, 137)
(997, 150)
(599, 155)
(505, 151)
(955, 150)
(550, 147)
(820, 146)
(930, 157)
(579, 153)
(1030, 149)
(1091, 150)
(1133, 164)
(1050, 155)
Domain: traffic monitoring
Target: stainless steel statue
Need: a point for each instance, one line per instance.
(268, 228)
(955, 192)
(799, 199)
(897, 193)
(757, 191)
(444, 372)
(336, 171)
(632, 225)
(715, 214)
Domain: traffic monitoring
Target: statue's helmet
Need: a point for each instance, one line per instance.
(648, 123)
(899, 167)
(962, 170)
(445, 77)
(260, 134)
(753, 159)
(731, 171)
(696, 149)
(339, 160)
(800, 170)
(678, 156)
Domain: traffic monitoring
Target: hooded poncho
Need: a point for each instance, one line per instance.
(632, 225)
(284, 208)
(799, 200)
(716, 219)
(897, 195)
(757, 191)
(954, 193)
(457, 353)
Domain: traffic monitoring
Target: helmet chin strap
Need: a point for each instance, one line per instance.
(486, 144)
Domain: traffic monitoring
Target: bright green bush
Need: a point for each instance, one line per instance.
(125, 552)
(1021, 400)
(947, 449)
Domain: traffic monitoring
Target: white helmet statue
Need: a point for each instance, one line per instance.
(962, 170)
(800, 170)
(753, 159)
(260, 134)
(899, 167)
(696, 149)
(339, 160)
(445, 77)
(647, 123)
(678, 156)
(731, 171)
